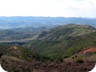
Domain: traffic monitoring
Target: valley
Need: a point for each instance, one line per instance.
(65, 48)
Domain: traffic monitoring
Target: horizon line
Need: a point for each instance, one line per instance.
(49, 16)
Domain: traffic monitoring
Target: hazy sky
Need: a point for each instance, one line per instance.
(54, 8)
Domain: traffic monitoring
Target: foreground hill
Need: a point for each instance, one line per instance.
(63, 41)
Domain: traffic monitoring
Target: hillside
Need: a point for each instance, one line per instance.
(70, 48)
(20, 34)
(64, 31)
(16, 51)
(63, 41)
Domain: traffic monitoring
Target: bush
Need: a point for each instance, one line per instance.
(79, 61)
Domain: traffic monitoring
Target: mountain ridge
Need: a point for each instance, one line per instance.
(20, 21)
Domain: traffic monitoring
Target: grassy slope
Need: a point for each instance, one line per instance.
(64, 41)
(58, 43)
(20, 52)
(19, 34)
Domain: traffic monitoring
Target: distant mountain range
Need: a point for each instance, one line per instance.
(17, 22)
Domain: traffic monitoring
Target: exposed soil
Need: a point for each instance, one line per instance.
(90, 50)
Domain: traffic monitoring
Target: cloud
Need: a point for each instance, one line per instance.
(65, 8)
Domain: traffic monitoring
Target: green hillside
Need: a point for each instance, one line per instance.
(19, 52)
(56, 43)
(63, 41)
(20, 34)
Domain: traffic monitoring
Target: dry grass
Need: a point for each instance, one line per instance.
(12, 65)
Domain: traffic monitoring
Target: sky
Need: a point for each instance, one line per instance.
(53, 8)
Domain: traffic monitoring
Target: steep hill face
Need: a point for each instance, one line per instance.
(64, 41)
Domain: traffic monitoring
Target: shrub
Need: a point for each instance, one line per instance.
(79, 61)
